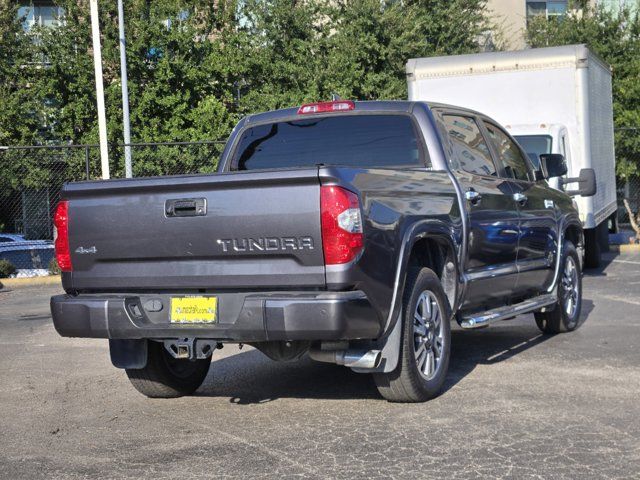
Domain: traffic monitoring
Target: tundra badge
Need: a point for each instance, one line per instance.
(261, 244)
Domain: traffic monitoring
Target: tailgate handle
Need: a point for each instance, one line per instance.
(186, 207)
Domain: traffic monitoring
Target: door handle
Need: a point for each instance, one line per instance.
(473, 196)
(520, 198)
(186, 207)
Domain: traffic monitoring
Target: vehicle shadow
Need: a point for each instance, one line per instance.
(605, 261)
(251, 378)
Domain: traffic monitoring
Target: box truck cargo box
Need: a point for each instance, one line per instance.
(552, 100)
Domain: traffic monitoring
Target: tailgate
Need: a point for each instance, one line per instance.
(228, 231)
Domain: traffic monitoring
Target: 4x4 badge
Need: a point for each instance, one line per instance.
(82, 250)
(548, 204)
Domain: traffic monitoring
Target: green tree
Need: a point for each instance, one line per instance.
(195, 68)
(371, 41)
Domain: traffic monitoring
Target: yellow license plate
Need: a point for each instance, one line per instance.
(194, 310)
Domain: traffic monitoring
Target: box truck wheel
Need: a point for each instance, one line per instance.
(591, 248)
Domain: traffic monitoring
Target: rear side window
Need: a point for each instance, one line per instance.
(350, 140)
(469, 145)
(515, 165)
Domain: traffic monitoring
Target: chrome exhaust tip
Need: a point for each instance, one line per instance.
(365, 359)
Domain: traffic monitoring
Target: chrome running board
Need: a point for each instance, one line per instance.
(502, 313)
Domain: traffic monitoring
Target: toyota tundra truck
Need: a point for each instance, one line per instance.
(354, 232)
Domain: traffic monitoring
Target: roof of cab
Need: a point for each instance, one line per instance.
(377, 106)
(366, 106)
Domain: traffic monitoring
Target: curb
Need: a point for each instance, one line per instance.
(628, 248)
(30, 281)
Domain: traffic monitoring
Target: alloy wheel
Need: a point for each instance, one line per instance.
(428, 335)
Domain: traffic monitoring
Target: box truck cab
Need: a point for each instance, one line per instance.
(553, 100)
(541, 139)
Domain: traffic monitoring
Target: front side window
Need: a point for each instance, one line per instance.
(514, 163)
(469, 146)
(363, 140)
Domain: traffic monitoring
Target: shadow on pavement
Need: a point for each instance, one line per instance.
(251, 378)
(605, 260)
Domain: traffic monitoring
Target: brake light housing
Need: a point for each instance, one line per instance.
(326, 107)
(61, 236)
(341, 221)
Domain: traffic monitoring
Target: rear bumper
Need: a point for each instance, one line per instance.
(243, 317)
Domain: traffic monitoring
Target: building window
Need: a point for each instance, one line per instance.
(41, 14)
(550, 9)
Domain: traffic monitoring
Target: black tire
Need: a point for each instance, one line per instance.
(592, 250)
(167, 377)
(406, 383)
(559, 320)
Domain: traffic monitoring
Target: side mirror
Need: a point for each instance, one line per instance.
(553, 165)
(586, 183)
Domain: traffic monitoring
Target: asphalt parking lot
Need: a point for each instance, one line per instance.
(517, 404)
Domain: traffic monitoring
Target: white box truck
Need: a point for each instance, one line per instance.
(552, 100)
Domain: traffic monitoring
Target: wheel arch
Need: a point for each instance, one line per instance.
(436, 252)
(574, 233)
(430, 243)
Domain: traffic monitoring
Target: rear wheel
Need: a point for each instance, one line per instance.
(168, 377)
(425, 346)
(592, 250)
(566, 314)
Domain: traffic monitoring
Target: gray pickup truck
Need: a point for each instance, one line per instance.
(351, 231)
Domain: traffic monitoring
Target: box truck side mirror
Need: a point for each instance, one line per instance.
(553, 165)
(586, 183)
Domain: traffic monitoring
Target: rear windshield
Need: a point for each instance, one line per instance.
(350, 140)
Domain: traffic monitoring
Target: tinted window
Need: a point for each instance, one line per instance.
(512, 159)
(354, 140)
(469, 145)
(5, 239)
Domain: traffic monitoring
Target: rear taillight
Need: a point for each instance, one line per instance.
(325, 107)
(342, 238)
(61, 236)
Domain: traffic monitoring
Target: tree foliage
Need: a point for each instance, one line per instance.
(615, 36)
(195, 67)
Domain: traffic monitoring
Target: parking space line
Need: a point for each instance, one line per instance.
(626, 261)
(617, 298)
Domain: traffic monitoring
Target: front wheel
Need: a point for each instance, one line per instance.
(168, 377)
(426, 341)
(566, 314)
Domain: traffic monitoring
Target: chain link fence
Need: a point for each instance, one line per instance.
(31, 178)
(628, 188)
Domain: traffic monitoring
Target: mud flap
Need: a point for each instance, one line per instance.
(390, 346)
(128, 353)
